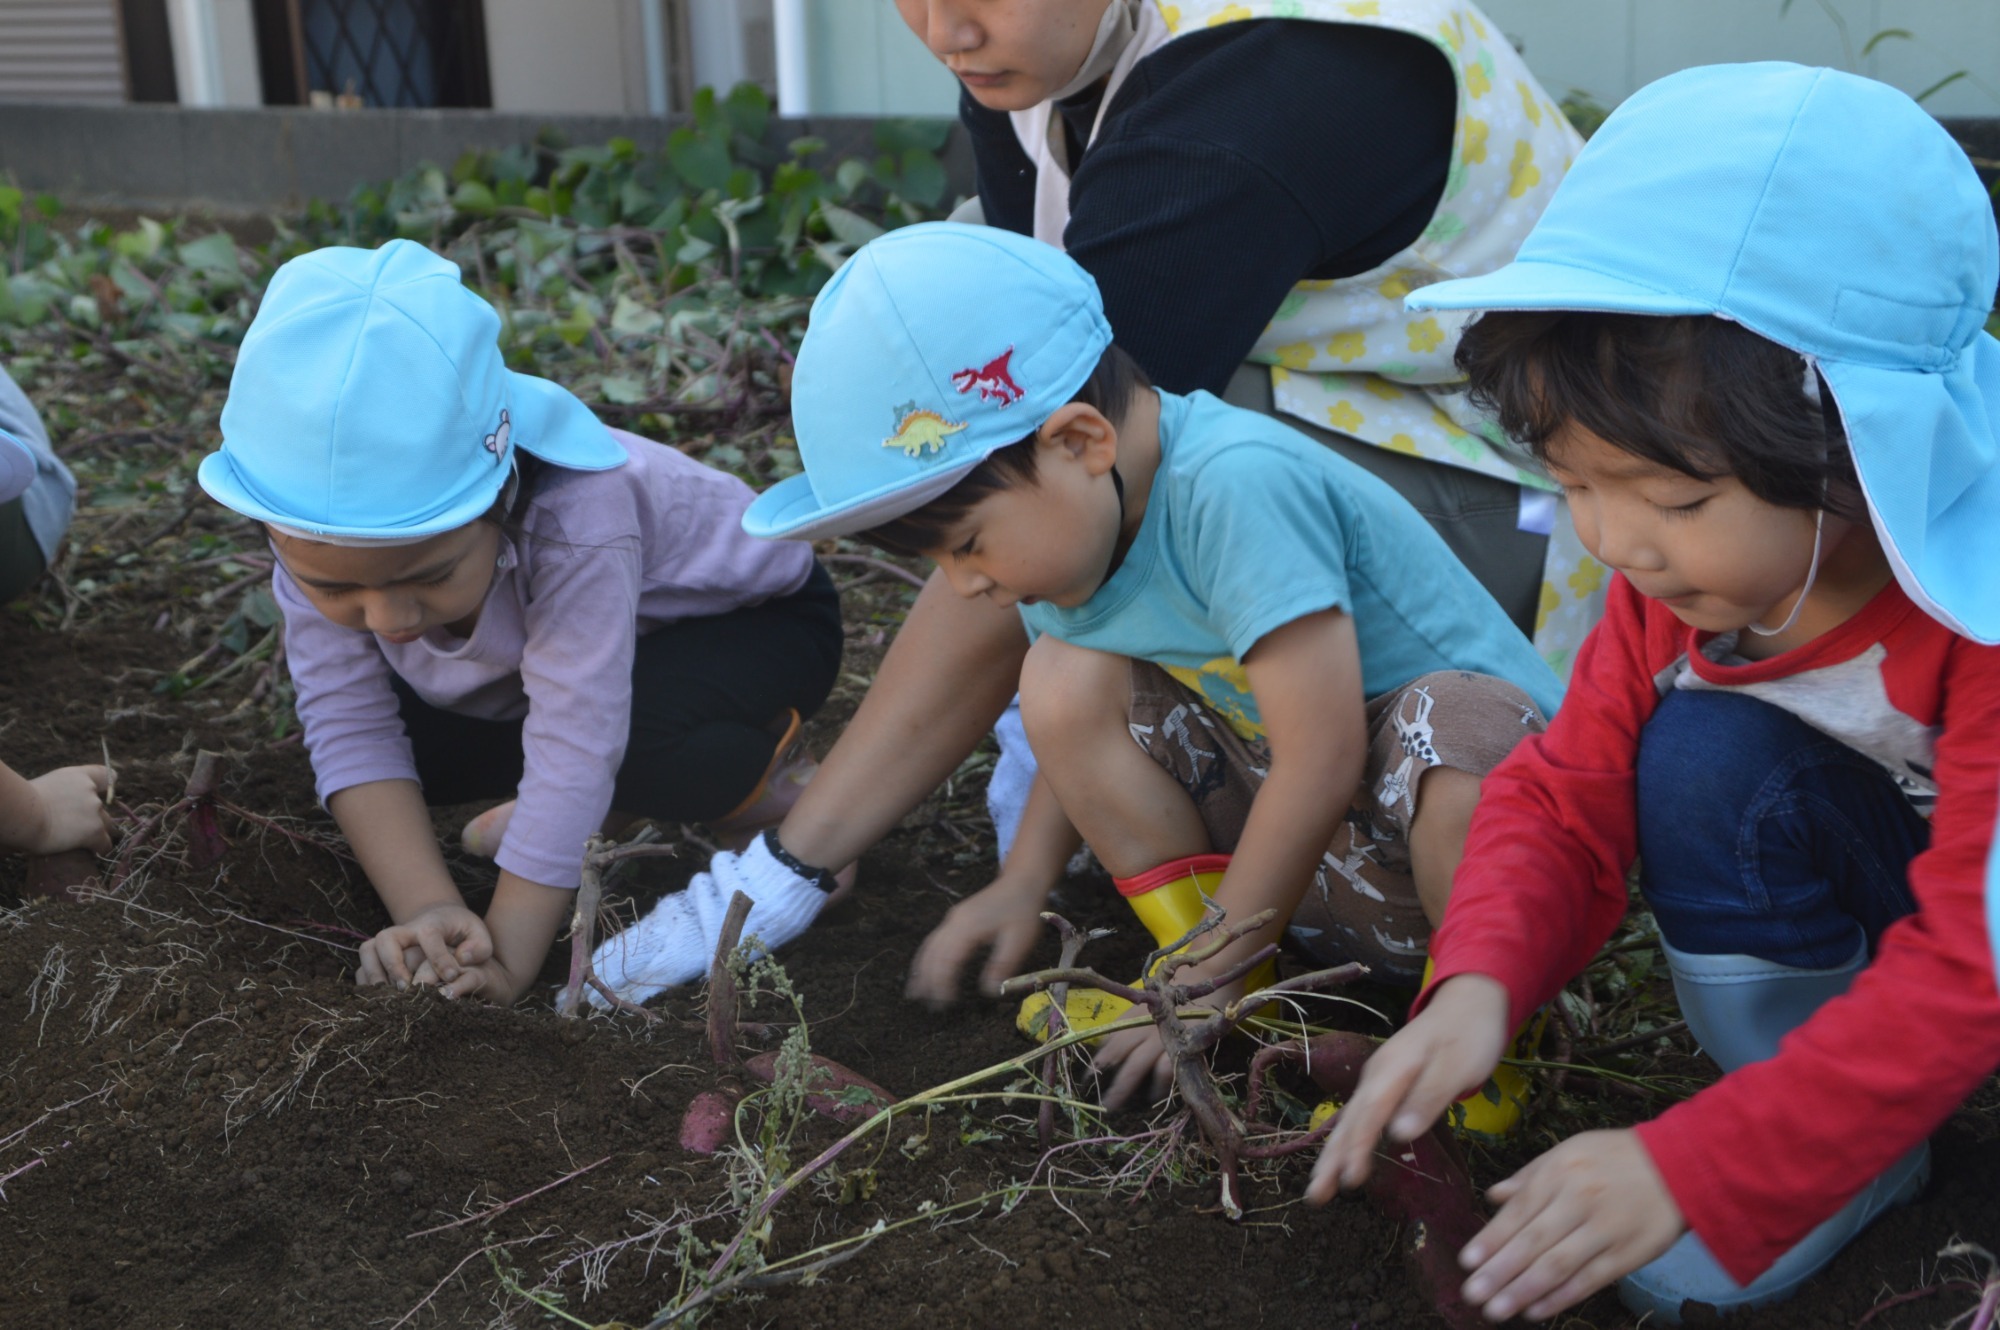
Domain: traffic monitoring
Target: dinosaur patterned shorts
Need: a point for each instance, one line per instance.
(1362, 905)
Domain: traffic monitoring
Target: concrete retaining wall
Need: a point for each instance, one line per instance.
(270, 158)
(253, 160)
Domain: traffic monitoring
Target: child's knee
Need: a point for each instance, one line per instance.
(1707, 758)
(1067, 689)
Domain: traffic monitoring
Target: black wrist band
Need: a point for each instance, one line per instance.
(819, 877)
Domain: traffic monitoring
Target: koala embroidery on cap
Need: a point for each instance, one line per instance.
(918, 430)
(993, 379)
(496, 442)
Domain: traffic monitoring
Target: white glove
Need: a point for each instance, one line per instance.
(676, 941)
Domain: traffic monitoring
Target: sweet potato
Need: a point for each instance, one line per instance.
(837, 1092)
(705, 1125)
(1423, 1185)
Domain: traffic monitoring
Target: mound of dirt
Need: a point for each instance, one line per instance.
(203, 1123)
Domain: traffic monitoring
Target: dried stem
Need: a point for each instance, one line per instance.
(722, 999)
(504, 1206)
(599, 856)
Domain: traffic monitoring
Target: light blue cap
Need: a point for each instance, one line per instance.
(17, 467)
(370, 402)
(932, 347)
(1830, 214)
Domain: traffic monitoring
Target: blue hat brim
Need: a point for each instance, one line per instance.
(790, 510)
(1538, 285)
(1927, 448)
(548, 421)
(1926, 445)
(17, 467)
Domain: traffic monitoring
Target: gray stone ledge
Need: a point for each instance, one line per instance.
(271, 158)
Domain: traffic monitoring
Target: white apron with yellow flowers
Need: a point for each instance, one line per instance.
(1345, 354)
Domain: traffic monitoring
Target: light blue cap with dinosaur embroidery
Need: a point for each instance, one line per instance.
(933, 347)
(370, 403)
(1832, 215)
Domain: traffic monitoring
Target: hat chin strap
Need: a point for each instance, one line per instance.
(1812, 574)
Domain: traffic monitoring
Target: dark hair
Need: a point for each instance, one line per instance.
(1110, 389)
(1695, 394)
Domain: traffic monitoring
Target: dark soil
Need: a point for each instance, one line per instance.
(207, 1125)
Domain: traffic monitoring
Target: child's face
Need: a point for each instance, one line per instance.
(1711, 551)
(1050, 540)
(401, 592)
(1010, 54)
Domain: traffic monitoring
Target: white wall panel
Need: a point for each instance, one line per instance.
(60, 51)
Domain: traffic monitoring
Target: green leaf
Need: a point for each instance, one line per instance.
(10, 206)
(629, 318)
(1942, 84)
(849, 228)
(143, 242)
(1887, 34)
(473, 197)
(749, 110)
(850, 175)
(923, 179)
(701, 161)
(693, 250)
(623, 389)
(899, 135)
(215, 253)
(260, 609)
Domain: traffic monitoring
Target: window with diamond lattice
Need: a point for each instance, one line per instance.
(394, 52)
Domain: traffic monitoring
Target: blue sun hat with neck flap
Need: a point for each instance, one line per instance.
(371, 406)
(1831, 214)
(933, 347)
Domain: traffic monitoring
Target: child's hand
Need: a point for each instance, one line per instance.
(489, 981)
(1141, 1061)
(1005, 917)
(72, 812)
(1141, 1057)
(429, 948)
(1450, 1048)
(1589, 1212)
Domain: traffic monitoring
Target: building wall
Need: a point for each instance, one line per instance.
(1611, 48)
(569, 57)
(864, 61)
(60, 51)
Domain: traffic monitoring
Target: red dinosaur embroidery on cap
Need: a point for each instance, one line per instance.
(992, 379)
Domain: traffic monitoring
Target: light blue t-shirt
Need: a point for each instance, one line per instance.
(1251, 525)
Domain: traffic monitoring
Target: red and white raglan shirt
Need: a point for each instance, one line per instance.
(1760, 1158)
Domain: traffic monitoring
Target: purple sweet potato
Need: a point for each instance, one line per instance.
(838, 1093)
(1423, 1185)
(705, 1125)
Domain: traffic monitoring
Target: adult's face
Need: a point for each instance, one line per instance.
(1010, 54)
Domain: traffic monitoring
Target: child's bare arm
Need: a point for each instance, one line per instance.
(389, 828)
(946, 679)
(1005, 916)
(523, 921)
(1306, 677)
(59, 810)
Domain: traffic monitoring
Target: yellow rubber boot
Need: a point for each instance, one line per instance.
(1495, 1108)
(1169, 900)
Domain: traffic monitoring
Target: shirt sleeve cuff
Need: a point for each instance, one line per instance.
(362, 771)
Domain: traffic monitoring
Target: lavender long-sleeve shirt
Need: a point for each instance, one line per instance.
(610, 555)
